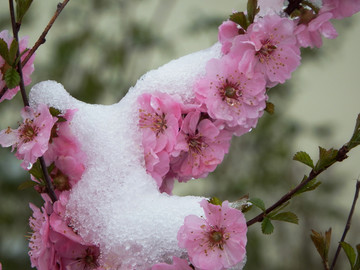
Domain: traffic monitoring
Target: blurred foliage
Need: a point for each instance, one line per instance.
(98, 49)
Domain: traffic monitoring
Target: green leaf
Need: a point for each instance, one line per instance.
(326, 158)
(287, 217)
(12, 78)
(22, 7)
(304, 157)
(350, 253)
(355, 139)
(357, 264)
(12, 52)
(252, 10)
(322, 243)
(54, 112)
(4, 50)
(36, 170)
(270, 107)
(27, 184)
(266, 226)
(215, 201)
(240, 19)
(312, 185)
(258, 203)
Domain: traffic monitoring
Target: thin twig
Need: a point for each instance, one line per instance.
(348, 224)
(41, 40)
(16, 28)
(313, 174)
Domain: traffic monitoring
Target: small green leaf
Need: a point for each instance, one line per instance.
(266, 226)
(240, 19)
(357, 264)
(215, 201)
(4, 50)
(12, 52)
(258, 203)
(22, 7)
(270, 107)
(27, 184)
(304, 157)
(312, 185)
(50, 168)
(287, 217)
(252, 10)
(326, 158)
(350, 253)
(54, 112)
(36, 170)
(322, 243)
(12, 78)
(355, 139)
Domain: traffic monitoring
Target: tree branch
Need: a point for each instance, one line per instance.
(348, 224)
(16, 28)
(313, 174)
(41, 40)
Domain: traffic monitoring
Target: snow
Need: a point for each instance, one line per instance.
(116, 204)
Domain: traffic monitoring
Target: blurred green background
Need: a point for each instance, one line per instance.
(98, 49)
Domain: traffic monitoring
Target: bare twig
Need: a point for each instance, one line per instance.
(16, 28)
(348, 224)
(313, 174)
(41, 40)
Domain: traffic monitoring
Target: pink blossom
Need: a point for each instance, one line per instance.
(269, 47)
(200, 147)
(341, 8)
(27, 69)
(228, 30)
(31, 139)
(159, 120)
(65, 151)
(178, 264)
(0, 266)
(54, 244)
(309, 34)
(231, 96)
(217, 241)
(41, 251)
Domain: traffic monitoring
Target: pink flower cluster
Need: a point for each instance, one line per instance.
(27, 69)
(214, 242)
(54, 244)
(31, 139)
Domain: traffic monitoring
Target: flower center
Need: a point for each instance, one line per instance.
(266, 50)
(216, 237)
(196, 143)
(28, 132)
(157, 123)
(230, 92)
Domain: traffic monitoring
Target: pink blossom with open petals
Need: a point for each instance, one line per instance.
(269, 47)
(159, 120)
(228, 30)
(309, 35)
(54, 244)
(178, 264)
(27, 69)
(341, 8)
(200, 147)
(217, 241)
(231, 96)
(31, 139)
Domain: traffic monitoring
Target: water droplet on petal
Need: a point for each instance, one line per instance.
(29, 166)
